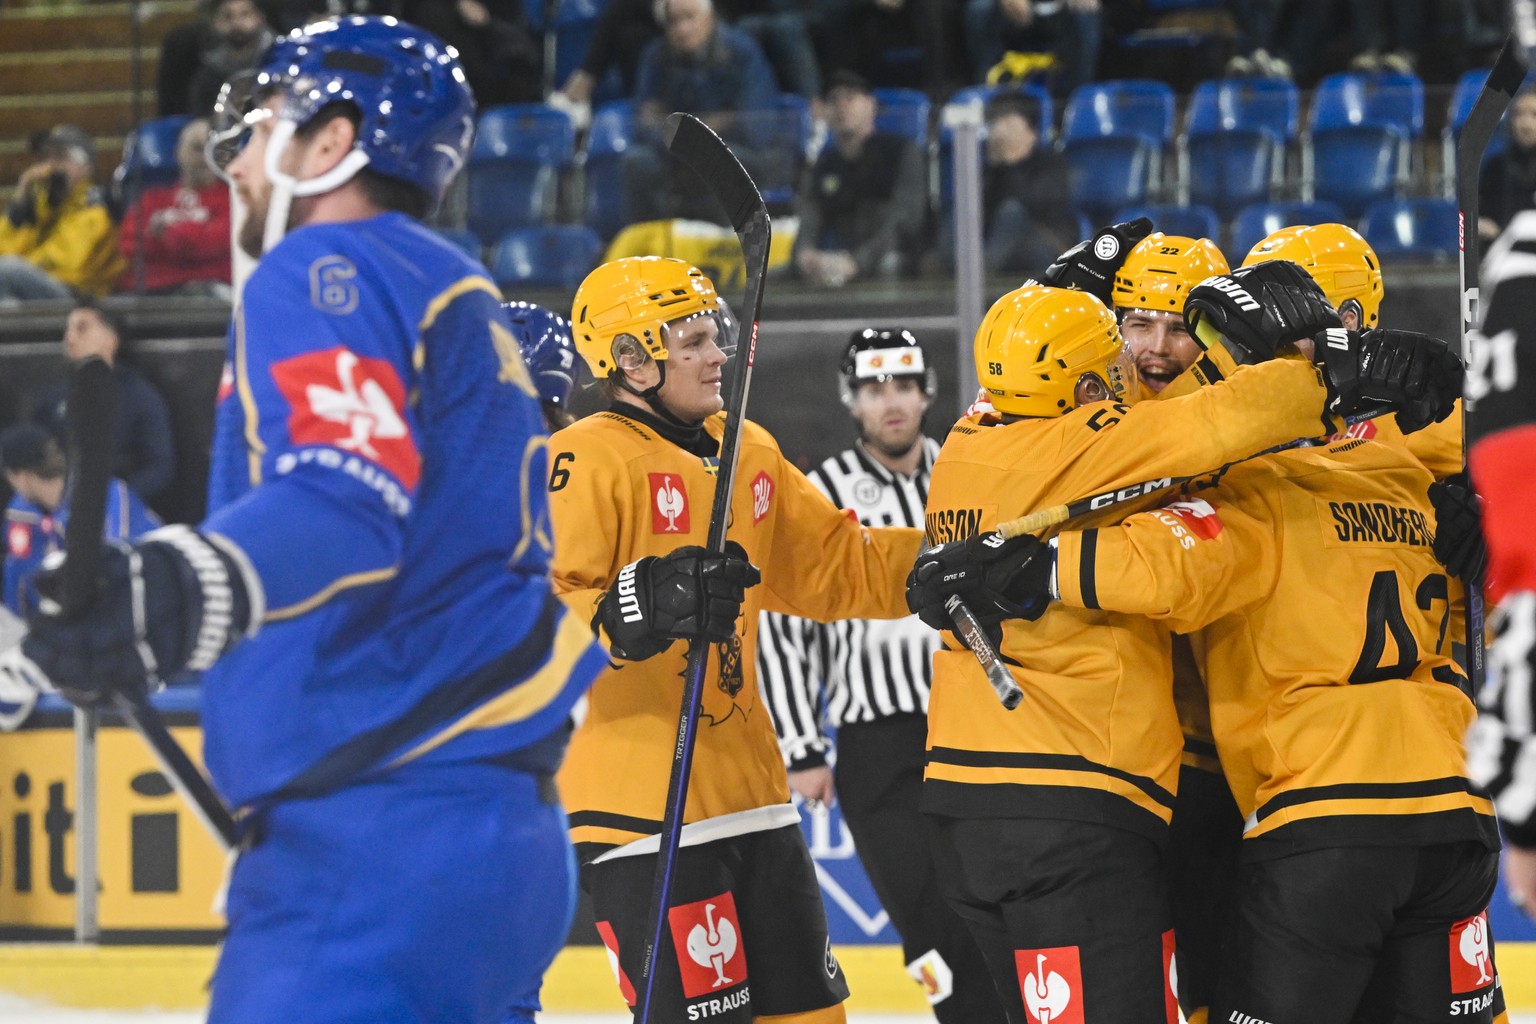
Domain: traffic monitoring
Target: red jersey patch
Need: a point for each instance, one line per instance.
(611, 947)
(1198, 516)
(707, 935)
(1365, 430)
(669, 504)
(762, 494)
(226, 383)
(343, 400)
(1471, 955)
(19, 540)
(1171, 978)
(1052, 983)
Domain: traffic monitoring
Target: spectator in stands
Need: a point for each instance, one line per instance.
(864, 201)
(896, 43)
(238, 34)
(502, 58)
(1068, 30)
(1390, 35)
(1026, 211)
(781, 28)
(1508, 182)
(623, 32)
(713, 71)
(1258, 33)
(56, 237)
(181, 231)
(144, 453)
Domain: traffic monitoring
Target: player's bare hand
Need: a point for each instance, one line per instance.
(814, 786)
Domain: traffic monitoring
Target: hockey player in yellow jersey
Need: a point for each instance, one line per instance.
(1054, 817)
(1149, 294)
(1346, 268)
(630, 492)
(1368, 856)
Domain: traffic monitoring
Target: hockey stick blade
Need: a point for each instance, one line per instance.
(92, 419)
(695, 143)
(691, 141)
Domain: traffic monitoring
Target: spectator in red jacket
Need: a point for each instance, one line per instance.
(181, 230)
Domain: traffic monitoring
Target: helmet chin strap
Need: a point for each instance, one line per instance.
(285, 186)
(651, 396)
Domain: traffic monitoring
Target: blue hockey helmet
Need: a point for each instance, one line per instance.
(548, 350)
(416, 108)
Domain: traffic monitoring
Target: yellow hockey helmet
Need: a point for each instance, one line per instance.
(1161, 269)
(629, 301)
(1342, 263)
(1036, 343)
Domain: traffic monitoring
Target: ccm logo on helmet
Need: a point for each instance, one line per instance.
(1236, 292)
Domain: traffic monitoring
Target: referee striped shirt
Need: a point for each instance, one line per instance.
(815, 674)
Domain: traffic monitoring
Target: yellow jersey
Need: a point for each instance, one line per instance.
(1097, 737)
(620, 491)
(1311, 579)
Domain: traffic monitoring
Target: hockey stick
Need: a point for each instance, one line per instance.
(1504, 79)
(701, 149)
(92, 423)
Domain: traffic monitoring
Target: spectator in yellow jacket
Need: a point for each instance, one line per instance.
(56, 238)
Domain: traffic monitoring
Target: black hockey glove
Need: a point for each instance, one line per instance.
(175, 600)
(689, 594)
(996, 578)
(1415, 374)
(1459, 543)
(1258, 309)
(1090, 265)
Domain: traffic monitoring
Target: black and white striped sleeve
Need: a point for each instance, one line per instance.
(1501, 748)
(790, 671)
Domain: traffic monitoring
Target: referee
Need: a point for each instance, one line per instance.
(869, 681)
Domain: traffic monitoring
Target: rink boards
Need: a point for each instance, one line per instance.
(160, 873)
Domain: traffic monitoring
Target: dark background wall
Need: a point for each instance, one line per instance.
(180, 345)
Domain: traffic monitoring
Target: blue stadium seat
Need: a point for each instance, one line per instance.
(792, 127)
(1191, 221)
(1132, 107)
(903, 111)
(1244, 104)
(1354, 98)
(612, 133)
(1413, 228)
(1231, 169)
(573, 21)
(556, 256)
(515, 166)
(149, 156)
(1108, 174)
(1355, 166)
(1253, 223)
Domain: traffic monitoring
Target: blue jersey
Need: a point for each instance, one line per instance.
(31, 534)
(381, 460)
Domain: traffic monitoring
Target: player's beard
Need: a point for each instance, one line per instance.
(254, 227)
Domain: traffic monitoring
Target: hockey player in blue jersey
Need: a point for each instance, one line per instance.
(387, 677)
(544, 338)
(39, 507)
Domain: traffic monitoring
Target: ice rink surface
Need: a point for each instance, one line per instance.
(16, 1011)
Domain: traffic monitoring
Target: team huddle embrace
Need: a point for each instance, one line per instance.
(1151, 684)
